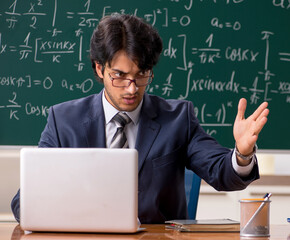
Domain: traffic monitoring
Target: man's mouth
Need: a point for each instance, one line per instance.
(130, 99)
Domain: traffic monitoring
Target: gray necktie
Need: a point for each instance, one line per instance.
(119, 139)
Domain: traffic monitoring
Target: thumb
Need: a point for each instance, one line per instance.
(241, 109)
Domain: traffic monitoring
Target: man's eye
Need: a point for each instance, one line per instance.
(140, 75)
(118, 75)
(145, 73)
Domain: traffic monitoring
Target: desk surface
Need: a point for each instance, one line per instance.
(12, 231)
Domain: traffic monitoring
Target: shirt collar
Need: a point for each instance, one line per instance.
(110, 111)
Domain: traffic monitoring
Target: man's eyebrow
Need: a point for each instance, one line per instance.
(118, 70)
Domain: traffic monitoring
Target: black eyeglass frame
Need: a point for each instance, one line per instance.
(150, 79)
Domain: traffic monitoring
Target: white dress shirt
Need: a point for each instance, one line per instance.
(131, 131)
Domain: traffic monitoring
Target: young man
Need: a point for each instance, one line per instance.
(166, 133)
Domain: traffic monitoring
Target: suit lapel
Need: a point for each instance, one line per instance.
(148, 130)
(95, 125)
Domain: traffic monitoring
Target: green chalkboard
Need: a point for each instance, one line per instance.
(215, 52)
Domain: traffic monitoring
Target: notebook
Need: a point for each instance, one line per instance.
(204, 225)
(79, 190)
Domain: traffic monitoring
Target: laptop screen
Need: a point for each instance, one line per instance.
(79, 189)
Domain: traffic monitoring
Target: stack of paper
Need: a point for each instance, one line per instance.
(207, 225)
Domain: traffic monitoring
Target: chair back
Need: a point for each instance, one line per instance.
(192, 187)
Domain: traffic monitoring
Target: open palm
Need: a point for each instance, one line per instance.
(246, 130)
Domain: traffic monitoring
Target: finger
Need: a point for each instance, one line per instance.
(265, 113)
(260, 124)
(259, 110)
(241, 109)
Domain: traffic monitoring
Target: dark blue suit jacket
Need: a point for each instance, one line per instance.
(169, 139)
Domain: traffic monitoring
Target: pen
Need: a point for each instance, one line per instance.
(266, 198)
(267, 195)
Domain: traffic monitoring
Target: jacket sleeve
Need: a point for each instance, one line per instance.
(49, 136)
(211, 161)
(15, 206)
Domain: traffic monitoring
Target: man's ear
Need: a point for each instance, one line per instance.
(99, 68)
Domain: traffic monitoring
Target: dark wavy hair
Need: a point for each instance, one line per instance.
(137, 38)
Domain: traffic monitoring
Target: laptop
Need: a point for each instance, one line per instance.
(79, 190)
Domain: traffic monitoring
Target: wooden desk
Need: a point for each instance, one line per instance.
(12, 231)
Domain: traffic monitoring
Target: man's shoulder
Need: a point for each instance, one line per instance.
(84, 101)
(82, 108)
(167, 104)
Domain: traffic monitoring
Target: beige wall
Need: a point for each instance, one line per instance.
(9, 179)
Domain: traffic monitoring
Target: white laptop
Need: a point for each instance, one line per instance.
(79, 190)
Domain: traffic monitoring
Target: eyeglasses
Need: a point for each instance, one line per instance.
(122, 82)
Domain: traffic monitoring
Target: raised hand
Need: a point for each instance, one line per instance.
(246, 130)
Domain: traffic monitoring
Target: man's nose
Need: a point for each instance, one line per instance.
(132, 88)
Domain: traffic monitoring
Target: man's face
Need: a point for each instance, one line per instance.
(126, 98)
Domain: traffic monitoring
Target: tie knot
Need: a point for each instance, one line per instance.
(122, 118)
